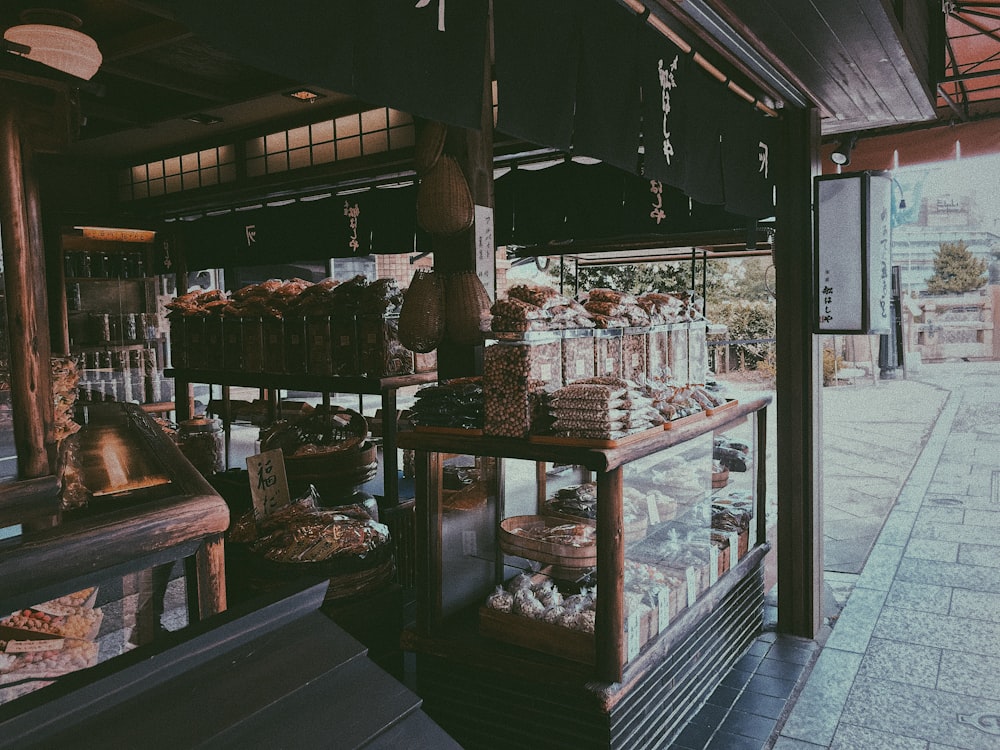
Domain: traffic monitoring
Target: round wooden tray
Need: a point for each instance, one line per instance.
(564, 555)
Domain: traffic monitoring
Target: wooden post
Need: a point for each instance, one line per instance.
(473, 149)
(24, 269)
(799, 384)
(610, 566)
(210, 562)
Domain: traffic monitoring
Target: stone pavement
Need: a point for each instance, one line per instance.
(912, 661)
(873, 435)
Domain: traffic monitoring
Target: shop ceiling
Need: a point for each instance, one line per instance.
(861, 61)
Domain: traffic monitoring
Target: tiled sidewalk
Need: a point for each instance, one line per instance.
(912, 661)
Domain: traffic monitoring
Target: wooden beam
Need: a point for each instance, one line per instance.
(800, 510)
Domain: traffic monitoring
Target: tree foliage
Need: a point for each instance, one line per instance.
(749, 321)
(956, 270)
(644, 277)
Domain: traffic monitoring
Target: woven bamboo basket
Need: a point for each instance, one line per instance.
(444, 203)
(422, 316)
(467, 313)
(429, 145)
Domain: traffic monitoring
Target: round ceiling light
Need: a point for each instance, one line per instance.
(55, 43)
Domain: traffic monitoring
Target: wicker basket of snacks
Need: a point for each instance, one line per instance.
(326, 448)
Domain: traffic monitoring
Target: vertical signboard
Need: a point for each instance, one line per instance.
(486, 250)
(852, 253)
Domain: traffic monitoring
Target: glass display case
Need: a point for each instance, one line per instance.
(143, 554)
(591, 563)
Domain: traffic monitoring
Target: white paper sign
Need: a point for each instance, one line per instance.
(486, 250)
(268, 483)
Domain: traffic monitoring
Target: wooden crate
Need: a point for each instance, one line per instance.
(537, 635)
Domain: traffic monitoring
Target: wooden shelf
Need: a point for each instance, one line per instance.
(372, 386)
(597, 459)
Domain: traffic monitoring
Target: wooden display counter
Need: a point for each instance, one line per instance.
(681, 592)
(152, 508)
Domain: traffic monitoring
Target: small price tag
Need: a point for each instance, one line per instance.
(345, 340)
(713, 564)
(33, 646)
(318, 340)
(692, 585)
(652, 511)
(633, 635)
(545, 372)
(268, 483)
(609, 365)
(663, 605)
(581, 368)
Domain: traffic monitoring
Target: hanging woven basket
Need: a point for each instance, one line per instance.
(468, 308)
(422, 316)
(429, 145)
(444, 203)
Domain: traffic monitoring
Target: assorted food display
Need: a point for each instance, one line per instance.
(46, 641)
(625, 359)
(592, 371)
(348, 328)
(681, 535)
(345, 544)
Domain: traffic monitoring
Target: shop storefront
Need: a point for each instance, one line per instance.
(615, 131)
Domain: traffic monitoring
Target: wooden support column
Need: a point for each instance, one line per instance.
(473, 149)
(24, 272)
(799, 384)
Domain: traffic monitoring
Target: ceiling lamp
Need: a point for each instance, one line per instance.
(841, 155)
(304, 95)
(54, 42)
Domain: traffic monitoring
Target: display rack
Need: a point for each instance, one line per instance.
(469, 657)
(385, 388)
(112, 322)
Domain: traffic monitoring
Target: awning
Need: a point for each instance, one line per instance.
(372, 221)
(589, 77)
(572, 202)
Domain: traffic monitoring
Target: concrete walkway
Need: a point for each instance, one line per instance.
(912, 661)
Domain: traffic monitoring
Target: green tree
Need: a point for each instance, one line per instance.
(956, 270)
(747, 320)
(752, 279)
(646, 277)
